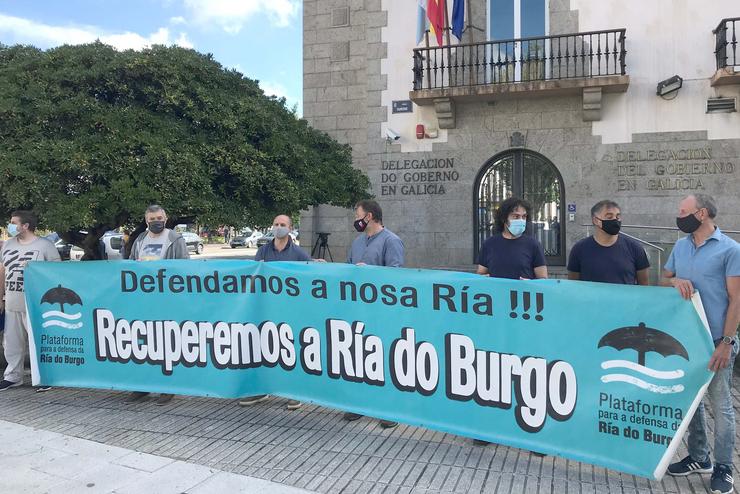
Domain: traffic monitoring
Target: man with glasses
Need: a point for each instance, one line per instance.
(606, 256)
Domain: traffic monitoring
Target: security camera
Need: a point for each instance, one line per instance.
(391, 135)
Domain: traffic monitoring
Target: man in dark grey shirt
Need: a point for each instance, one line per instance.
(376, 246)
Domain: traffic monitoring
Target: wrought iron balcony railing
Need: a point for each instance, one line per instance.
(544, 58)
(725, 36)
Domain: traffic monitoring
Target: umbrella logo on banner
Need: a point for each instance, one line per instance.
(61, 296)
(643, 340)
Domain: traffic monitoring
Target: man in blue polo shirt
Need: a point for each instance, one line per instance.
(708, 261)
(607, 256)
(375, 246)
(281, 248)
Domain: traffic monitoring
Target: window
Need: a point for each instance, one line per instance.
(515, 19)
(533, 177)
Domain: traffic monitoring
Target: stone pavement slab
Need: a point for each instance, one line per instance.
(208, 445)
(41, 462)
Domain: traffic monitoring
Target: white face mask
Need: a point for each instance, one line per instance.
(280, 231)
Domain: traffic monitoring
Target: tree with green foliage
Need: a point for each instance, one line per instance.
(90, 136)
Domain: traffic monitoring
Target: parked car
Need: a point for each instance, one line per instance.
(266, 238)
(193, 241)
(253, 238)
(238, 241)
(113, 243)
(63, 248)
(246, 240)
(75, 253)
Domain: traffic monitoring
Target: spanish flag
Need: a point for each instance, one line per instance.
(436, 13)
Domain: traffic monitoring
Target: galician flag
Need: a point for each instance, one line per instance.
(422, 23)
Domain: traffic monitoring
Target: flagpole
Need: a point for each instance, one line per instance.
(467, 21)
(427, 62)
(449, 48)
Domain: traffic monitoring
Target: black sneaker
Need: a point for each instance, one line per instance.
(136, 397)
(163, 399)
(388, 424)
(721, 480)
(351, 417)
(688, 465)
(5, 384)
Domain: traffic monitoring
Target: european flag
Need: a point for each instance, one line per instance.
(458, 18)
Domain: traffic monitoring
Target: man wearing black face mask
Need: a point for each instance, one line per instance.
(607, 256)
(157, 242)
(709, 261)
(378, 246)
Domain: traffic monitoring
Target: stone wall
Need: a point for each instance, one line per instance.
(343, 97)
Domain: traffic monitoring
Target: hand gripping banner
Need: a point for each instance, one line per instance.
(599, 373)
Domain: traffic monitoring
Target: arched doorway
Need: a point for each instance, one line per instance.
(526, 174)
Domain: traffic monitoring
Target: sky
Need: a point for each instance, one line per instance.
(262, 39)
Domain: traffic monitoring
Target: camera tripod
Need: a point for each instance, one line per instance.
(321, 247)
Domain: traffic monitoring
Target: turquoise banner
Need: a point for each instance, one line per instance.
(599, 373)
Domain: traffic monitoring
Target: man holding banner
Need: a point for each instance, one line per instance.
(281, 248)
(510, 253)
(157, 242)
(607, 256)
(23, 246)
(376, 246)
(708, 261)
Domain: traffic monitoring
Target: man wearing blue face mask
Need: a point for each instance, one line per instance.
(23, 246)
(607, 256)
(281, 248)
(510, 253)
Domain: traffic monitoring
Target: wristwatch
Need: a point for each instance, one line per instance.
(726, 340)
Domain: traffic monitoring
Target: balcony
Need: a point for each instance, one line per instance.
(586, 63)
(726, 52)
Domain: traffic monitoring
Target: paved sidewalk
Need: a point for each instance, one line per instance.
(310, 448)
(41, 462)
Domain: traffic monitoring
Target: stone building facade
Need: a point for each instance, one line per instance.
(534, 117)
